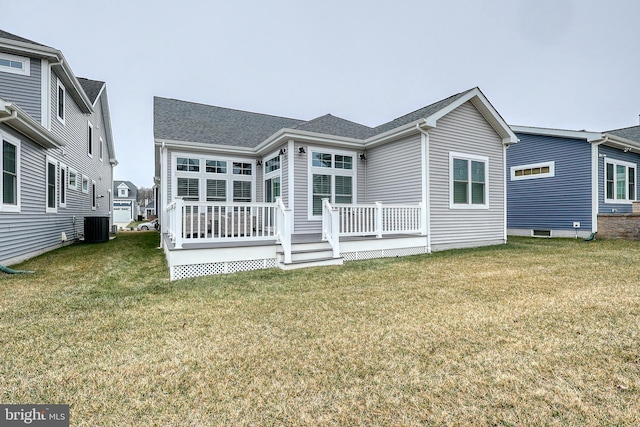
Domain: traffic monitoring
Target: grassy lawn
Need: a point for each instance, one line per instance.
(536, 332)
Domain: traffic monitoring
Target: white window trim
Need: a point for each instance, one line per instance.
(100, 149)
(63, 171)
(54, 162)
(202, 175)
(64, 102)
(93, 188)
(16, 142)
(69, 172)
(90, 138)
(26, 62)
(110, 201)
(271, 175)
(628, 165)
(550, 174)
(316, 170)
(84, 178)
(471, 157)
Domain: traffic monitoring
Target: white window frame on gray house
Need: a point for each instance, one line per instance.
(272, 177)
(73, 179)
(85, 184)
(51, 185)
(61, 102)
(469, 181)
(193, 177)
(327, 164)
(630, 185)
(15, 64)
(94, 195)
(101, 148)
(10, 173)
(62, 188)
(89, 139)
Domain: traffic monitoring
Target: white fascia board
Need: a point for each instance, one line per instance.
(284, 135)
(226, 149)
(26, 125)
(562, 133)
(619, 142)
(396, 133)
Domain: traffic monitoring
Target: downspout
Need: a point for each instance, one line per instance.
(164, 201)
(595, 191)
(426, 183)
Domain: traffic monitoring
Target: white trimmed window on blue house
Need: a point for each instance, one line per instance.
(468, 181)
(533, 171)
(620, 181)
(10, 178)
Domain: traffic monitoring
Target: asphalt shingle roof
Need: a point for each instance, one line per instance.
(91, 87)
(6, 35)
(187, 121)
(631, 133)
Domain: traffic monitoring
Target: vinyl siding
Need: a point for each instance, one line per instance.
(394, 172)
(465, 130)
(551, 203)
(614, 154)
(24, 91)
(301, 223)
(34, 231)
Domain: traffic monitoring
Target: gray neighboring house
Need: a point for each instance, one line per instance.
(58, 151)
(125, 203)
(242, 191)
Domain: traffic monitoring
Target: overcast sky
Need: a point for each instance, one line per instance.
(571, 64)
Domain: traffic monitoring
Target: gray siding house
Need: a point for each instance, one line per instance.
(241, 190)
(57, 156)
(562, 183)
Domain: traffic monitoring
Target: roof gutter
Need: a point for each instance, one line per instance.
(26, 125)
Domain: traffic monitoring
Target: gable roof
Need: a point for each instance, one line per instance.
(9, 36)
(182, 121)
(631, 133)
(91, 87)
(177, 120)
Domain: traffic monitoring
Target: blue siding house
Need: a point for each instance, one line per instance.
(559, 181)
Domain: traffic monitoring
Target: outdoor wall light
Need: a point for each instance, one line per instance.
(301, 150)
(283, 151)
(363, 157)
(259, 162)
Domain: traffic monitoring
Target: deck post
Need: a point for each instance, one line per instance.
(178, 226)
(379, 219)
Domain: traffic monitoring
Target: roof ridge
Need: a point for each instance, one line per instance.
(227, 108)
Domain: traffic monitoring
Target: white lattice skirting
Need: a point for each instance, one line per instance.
(196, 270)
(383, 253)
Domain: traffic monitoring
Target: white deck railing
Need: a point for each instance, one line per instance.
(200, 222)
(378, 219)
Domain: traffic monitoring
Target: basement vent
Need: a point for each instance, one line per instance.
(541, 233)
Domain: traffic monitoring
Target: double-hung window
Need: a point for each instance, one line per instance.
(51, 185)
(242, 182)
(73, 179)
(10, 178)
(332, 177)
(468, 181)
(620, 181)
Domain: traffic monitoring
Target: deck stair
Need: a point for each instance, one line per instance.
(308, 254)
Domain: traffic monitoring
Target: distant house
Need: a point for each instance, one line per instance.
(58, 152)
(149, 209)
(243, 191)
(562, 183)
(125, 202)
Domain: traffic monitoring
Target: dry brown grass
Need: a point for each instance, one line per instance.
(536, 332)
